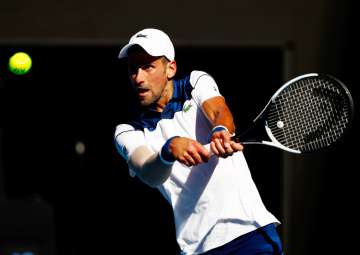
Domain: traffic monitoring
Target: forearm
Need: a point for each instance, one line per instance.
(223, 117)
(149, 167)
(219, 113)
(222, 122)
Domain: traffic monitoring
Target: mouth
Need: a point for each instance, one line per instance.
(142, 91)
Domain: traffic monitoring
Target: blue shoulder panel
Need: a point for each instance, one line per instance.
(149, 119)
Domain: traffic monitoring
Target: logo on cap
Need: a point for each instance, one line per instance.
(141, 35)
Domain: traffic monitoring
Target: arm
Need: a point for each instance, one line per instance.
(154, 168)
(220, 115)
(149, 166)
(145, 163)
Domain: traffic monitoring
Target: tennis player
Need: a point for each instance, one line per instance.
(216, 205)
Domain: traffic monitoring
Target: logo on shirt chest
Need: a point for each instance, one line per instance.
(187, 107)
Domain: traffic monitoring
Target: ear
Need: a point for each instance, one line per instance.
(171, 69)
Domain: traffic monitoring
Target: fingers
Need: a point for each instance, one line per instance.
(189, 160)
(237, 146)
(222, 149)
(192, 158)
(222, 145)
(190, 152)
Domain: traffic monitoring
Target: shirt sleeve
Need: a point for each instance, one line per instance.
(127, 139)
(204, 86)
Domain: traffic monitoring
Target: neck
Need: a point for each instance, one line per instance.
(165, 97)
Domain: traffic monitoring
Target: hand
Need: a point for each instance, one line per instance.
(188, 151)
(222, 145)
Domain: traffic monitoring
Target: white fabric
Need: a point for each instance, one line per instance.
(137, 139)
(154, 41)
(215, 202)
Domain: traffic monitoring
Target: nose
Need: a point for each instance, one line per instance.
(138, 76)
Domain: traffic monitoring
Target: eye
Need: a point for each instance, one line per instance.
(147, 67)
(132, 69)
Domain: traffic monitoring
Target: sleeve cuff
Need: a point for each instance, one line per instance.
(165, 154)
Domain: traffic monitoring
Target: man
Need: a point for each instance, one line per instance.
(217, 208)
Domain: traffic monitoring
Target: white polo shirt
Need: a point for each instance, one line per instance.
(214, 202)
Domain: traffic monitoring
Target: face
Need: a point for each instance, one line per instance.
(150, 77)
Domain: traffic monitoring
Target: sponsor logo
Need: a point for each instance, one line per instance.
(141, 35)
(187, 107)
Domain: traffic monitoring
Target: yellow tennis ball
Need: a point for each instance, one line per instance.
(20, 63)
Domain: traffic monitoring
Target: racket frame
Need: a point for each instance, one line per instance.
(273, 141)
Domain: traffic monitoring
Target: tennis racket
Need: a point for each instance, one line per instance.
(308, 113)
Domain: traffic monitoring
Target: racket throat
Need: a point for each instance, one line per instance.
(253, 135)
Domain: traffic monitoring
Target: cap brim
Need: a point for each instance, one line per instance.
(152, 52)
(123, 51)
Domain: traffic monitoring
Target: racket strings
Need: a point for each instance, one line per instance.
(313, 114)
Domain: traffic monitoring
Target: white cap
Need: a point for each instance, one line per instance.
(154, 41)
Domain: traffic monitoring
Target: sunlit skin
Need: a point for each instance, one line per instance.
(219, 113)
(152, 78)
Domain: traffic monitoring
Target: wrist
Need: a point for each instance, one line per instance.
(220, 128)
(165, 154)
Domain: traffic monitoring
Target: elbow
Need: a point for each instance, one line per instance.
(152, 171)
(155, 172)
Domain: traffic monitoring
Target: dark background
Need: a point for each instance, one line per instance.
(52, 197)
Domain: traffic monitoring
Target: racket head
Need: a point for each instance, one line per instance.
(309, 113)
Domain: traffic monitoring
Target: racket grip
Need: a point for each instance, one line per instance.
(207, 146)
